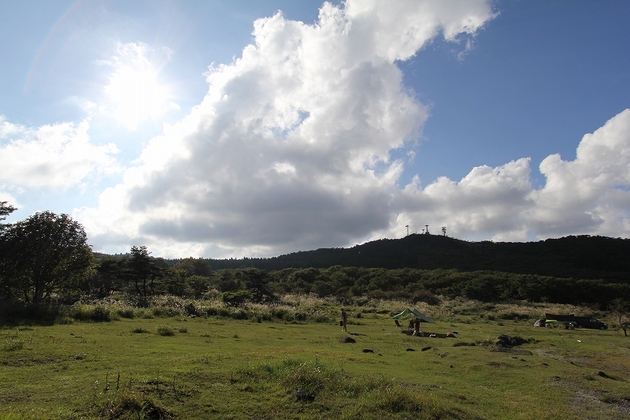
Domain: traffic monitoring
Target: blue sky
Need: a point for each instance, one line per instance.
(228, 129)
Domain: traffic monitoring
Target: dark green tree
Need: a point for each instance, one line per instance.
(256, 282)
(5, 210)
(106, 277)
(198, 285)
(44, 256)
(194, 267)
(142, 272)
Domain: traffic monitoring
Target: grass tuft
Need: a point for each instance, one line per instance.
(132, 406)
(13, 345)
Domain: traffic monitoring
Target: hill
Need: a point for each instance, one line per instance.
(579, 257)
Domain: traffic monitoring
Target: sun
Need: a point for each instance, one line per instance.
(133, 91)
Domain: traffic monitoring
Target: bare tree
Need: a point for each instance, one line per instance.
(620, 309)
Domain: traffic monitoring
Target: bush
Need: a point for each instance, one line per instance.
(165, 331)
(18, 313)
(240, 314)
(223, 312)
(13, 345)
(236, 298)
(132, 406)
(88, 313)
(100, 314)
(191, 310)
(126, 313)
(279, 313)
(139, 331)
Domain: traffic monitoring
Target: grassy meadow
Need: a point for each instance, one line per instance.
(288, 361)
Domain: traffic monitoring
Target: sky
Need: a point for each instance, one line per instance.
(255, 128)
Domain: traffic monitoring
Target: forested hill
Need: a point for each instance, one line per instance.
(578, 257)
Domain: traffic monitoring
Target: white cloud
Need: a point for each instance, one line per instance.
(52, 156)
(290, 148)
(485, 202)
(589, 195)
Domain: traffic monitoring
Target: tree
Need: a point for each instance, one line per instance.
(43, 257)
(620, 309)
(5, 210)
(106, 277)
(142, 271)
(256, 281)
(194, 267)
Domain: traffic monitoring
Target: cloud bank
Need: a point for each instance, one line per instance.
(57, 156)
(292, 146)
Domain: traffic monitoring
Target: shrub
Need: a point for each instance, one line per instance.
(133, 406)
(191, 310)
(19, 312)
(165, 331)
(13, 345)
(236, 298)
(126, 313)
(87, 313)
(100, 314)
(279, 313)
(139, 331)
(224, 312)
(240, 314)
(512, 315)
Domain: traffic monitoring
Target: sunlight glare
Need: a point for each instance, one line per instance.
(134, 91)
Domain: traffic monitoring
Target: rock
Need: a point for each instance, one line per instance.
(604, 375)
(347, 340)
(505, 340)
(368, 351)
(302, 395)
(426, 348)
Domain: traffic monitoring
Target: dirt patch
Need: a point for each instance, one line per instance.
(590, 404)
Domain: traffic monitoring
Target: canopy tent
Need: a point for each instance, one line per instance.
(413, 312)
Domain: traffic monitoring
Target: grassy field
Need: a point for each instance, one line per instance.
(156, 364)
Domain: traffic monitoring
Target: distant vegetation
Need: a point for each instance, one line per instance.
(46, 260)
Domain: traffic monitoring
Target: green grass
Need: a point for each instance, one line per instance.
(194, 368)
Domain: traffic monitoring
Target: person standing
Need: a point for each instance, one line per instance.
(416, 327)
(344, 320)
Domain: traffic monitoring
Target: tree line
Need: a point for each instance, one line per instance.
(579, 257)
(47, 259)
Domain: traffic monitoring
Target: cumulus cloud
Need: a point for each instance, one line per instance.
(486, 201)
(56, 156)
(589, 195)
(291, 147)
